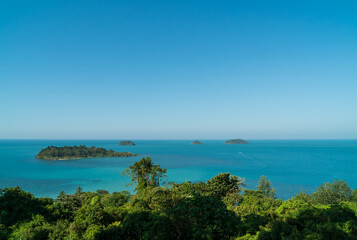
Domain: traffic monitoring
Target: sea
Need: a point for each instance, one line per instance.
(291, 165)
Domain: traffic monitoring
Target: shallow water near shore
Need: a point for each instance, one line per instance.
(291, 165)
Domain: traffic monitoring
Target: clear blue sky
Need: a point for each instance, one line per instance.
(178, 69)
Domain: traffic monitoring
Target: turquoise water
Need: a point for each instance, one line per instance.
(291, 165)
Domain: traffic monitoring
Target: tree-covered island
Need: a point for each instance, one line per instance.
(236, 141)
(126, 143)
(76, 152)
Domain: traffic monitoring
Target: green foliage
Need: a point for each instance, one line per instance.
(89, 215)
(354, 195)
(36, 229)
(350, 205)
(313, 222)
(146, 225)
(291, 208)
(68, 152)
(112, 232)
(66, 205)
(266, 188)
(116, 199)
(92, 232)
(256, 210)
(204, 217)
(59, 230)
(332, 193)
(224, 184)
(255, 202)
(215, 209)
(144, 173)
(4, 232)
(18, 206)
(247, 237)
(102, 191)
(302, 196)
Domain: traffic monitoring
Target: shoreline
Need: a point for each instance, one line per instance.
(65, 159)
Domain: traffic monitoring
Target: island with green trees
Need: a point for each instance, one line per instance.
(236, 141)
(219, 208)
(126, 143)
(196, 142)
(77, 152)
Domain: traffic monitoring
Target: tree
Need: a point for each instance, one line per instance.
(144, 173)
(332, 193)
(89, 217)
(115, 199)
(266, 188)
(354, 195)
(203, 217)
(60, 230)
(224, 184)
(146, 225)
(4, 233)
(37, 229)
(255, 202)
(17, 205)
(302, 196)
(67, 204)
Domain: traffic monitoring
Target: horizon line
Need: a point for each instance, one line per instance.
(174, 139)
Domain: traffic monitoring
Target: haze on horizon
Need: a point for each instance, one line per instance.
(178, 69)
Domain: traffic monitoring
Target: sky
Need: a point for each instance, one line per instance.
(182, 69)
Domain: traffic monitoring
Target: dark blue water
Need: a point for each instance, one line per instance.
(291, 165)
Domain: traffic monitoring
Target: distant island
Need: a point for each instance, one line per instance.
(126, 143)
(196, 142)
(236, 141)
(77, 152)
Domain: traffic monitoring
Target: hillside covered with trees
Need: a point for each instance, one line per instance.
(216, 209)
(75, 152)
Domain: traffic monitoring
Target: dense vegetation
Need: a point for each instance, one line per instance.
(236, 141)
(196, 142)
(126, 143)
(66, 152)
(215, 209)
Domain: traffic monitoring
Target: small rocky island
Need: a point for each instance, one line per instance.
(196, 142)
(77, 152)
(126, 143)
(236, 141)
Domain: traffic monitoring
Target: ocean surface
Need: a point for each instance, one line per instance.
(291, 165)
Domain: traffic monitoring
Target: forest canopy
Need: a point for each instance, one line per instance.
(75, 152)
(219, 208)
